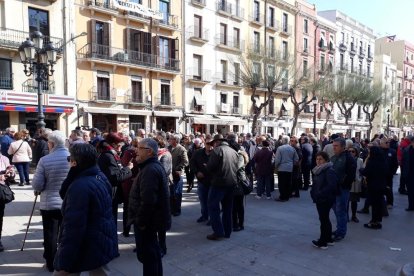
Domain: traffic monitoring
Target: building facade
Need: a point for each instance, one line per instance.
(402, 54)
(354, 55)
(19, 92)
(129, 65)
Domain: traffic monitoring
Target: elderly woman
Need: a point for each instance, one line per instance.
(356, 189)
(6, 171)
(22, 155)
(323, 193)
(51, 171)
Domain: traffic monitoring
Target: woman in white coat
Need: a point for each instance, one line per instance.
(22, 155)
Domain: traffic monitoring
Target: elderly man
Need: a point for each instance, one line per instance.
(222, 166)
(6, 140)
(285, 159)
(345, 168)
(149, 209)
(75, 137)
(51, 171)
(141, 133)
(179, 162)
(392, 166)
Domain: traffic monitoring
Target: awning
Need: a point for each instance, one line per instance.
(216, 120)
(231, 120)
(22, 108)
(168, 114)
(310, 125)
(198, 98)
(104, 110)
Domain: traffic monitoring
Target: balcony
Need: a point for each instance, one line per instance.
(228, 108)
(223, 8)
(352, 49)
(256, 19)
(102, 94)
(138, 17)
(370, 58)
(237, 14)
(138, 98)
(322, 45)
(197, 35)
(342, 47)
(165, 101)
(256, 49)
(128, 58)
(361, 53)
(343, 68)
(237, 109)
(199, 3)
(273, 26)
(195, 108)
(331, 48)
(198, 77)
(227, 80)
(286, 30)
(229, 43)
(306, 51)
(169, 22)
(409, 92)
(30, 86)
(11, 39)
(6, 81)
(102, 6)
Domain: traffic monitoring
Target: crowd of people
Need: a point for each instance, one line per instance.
(82, 180)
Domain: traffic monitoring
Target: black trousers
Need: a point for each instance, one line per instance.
(410, 190)
(389, 195)
(189, 174)
(284, 183)
(306, 170)
(376, 200)
(51, 223)
(2, 207)
(148, 251)
(238, 211)
(326, 226)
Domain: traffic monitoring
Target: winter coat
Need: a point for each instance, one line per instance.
(375, 171)
(345, 167)
(325, 184)
(356, 185)
(198, 163)
(22, 154)
(149, 200)
(51, 171)
(316, 148)
(408, 165)
(179, 158)
(88, 237)
(41, 149)
(129, 156)
(112, 169)
(5, 142)
(263, 161)
(223, 166)
(307, 151)
(286, 157)
(391, 159)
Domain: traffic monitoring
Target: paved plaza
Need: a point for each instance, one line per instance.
(276, 241)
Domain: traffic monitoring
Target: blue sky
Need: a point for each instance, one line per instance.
(385, 17)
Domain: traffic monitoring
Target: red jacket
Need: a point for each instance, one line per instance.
(404, 143)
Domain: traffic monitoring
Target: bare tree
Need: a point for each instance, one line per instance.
(371, 102)
(327, 97)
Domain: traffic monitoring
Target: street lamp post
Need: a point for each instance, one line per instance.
(388, 122)
(38, 59)
(314, 102)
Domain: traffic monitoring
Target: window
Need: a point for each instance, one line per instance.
(39, 21)
(236, 102)
(359, 112)
(305, 26)
(271, 18)
(322, 67)
(198, 100)
(305, 45)
(236, 80)
(136, 89)
(256, 11)
(369, 50)
(305, 68)
(223, 34)
(165, 92)
(285, 22)
(342, 61)
(256, 71)
(406, 103)
(164, 8)
(236, 38)
(6, 76)
(103, 90)
(352, 64)
(343, 37)
(271, 46)
(360, 68)
(285, 80)
(197, 67)
(284, 50)
(223, 65)
(197, 26)
(223, 98)
(368, 71)
(164, 49)
(271, 73)
(101, 34)
(256, 41)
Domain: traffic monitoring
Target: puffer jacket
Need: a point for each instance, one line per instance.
(149, 200)
(88, 237)
(325, 184)
(223, 166)
(51, 171)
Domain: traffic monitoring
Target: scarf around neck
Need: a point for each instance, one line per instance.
(318, 169)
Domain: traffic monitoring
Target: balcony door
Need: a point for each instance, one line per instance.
(165, 10)
(165, 94)
(136, 95)
(39, 21)
(103, 91)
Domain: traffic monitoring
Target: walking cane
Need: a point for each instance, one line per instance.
(28, 224)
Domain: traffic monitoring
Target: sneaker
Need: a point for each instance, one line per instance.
(268, 197)
(338, 238)
(372, 225)
(201, 219)
(330, 243)
(319, 244)
(258, 197)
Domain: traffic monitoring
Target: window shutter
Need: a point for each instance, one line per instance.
(92, 31)
(106, 34)
(127, 35)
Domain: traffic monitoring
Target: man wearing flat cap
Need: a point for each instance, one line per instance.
(223, 166)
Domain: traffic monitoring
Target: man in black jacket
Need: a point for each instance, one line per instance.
(223, 166)
(306, 161)
(198, 164)
(41, 149)
(392, 165)
(149, 207)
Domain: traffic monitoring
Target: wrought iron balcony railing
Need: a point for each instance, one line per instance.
(11, 38)
(102, 93)
(6, 81)
(30, 86)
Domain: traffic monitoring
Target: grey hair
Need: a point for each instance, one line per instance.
(285, 139)
(341, 142)
(150, 143)
(46, 132)
(57, 138)
(177, 138)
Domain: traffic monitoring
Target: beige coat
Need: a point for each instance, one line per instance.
(22, 154)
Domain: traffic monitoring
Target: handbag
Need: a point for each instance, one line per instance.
(6, 194)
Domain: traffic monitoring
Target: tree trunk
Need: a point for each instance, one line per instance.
(254, 123)
(295, 121)
(325, 126)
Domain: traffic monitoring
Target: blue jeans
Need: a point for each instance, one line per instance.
(264, 183)
(202, 192)
(23, 169)
(177, 189)
(224, 195)
(176, 194)
(341, 212)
